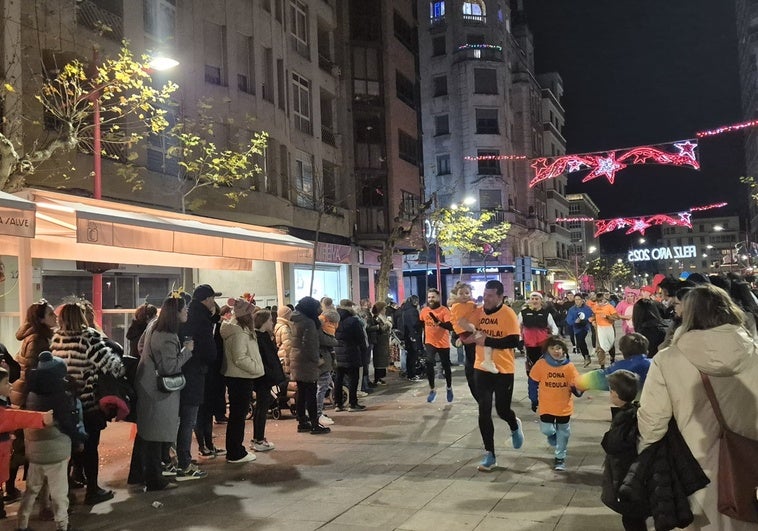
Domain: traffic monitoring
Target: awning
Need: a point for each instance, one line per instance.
(16, 216)
(75, 228)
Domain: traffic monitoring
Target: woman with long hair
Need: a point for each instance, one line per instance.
(87, 354)
(713, 341)
(241, 366)
(263, 321)
(157, 411)
(142, 316)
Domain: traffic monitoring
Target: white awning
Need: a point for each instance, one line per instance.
(77, 228)
(16, 216)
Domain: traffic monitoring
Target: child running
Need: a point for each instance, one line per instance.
(555, 376)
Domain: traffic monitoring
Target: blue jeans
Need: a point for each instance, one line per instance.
(561, 431)
(187, 420)
(322, 387)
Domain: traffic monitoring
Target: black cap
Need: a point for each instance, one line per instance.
(203, 291)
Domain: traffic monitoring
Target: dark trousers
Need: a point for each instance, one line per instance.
(187, 420)
(240, 393)
(204, 426)
(306, 401)
(581, 342)
(263, 400)
(501, 385)
(633, 524)
(470, 350)
(136, 467)
(379, 374)
(152, 469)
(89, 458)
(352, 385)
(431, 355)
(411, 358)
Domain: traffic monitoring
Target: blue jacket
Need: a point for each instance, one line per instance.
(573, 315)
(638, 364)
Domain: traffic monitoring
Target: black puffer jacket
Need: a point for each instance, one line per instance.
(199, 327)
(351, 346)
(664, 475)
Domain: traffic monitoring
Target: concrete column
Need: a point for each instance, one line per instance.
(25, 288)
(279, 268)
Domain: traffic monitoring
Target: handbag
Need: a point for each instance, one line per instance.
(738, 468)
(168, 383)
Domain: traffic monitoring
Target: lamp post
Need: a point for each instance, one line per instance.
(158, 63)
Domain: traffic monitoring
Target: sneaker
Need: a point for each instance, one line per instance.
(325, 420)
(381, 382)
(362, 394)
(517, 435)
(304, 427)
(320, 430)
(414, 379)
(169, 485)
(488, 462)
(98, 496)
(169, 470)
(552, 440)
(191, 472)
(247, 458)
(356, 407)
(587, 362)
(432, 395)
(340, 408)
(450, 394)
(559, 465)
(489, 366)
(13, 495)
(206, 453)
(262, 446)
(535, 406)
(220, 452)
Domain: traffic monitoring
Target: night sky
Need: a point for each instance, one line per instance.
(640, 72)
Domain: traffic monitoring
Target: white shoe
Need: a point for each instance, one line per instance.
(262, 446)
(248, 457)
(362, 394)
(325, 421)
(489, 366)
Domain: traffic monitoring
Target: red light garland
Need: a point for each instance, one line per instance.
(708, 207)
(727, 129)
(607, 164)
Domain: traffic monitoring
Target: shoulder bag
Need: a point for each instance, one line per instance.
(738, 468)
(168, 383)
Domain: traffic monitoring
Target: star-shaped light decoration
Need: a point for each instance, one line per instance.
(605, 166)
(686, 218)
(638, 225)
(574, 165)
(686, 149)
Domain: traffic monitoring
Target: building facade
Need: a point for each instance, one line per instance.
(719, 246)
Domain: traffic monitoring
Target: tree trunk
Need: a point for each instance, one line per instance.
(385, 266)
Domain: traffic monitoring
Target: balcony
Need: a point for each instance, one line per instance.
(474, 20)
(372, 222)
(328, 136)
(478, 54)
(549, 127)
(536, 223)
(111, 25)
(560, 231)
(327, 65)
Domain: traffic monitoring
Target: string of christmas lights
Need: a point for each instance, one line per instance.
(496, 157)
(642, 223)
(727, 129)
(607, 164)
(480, 47)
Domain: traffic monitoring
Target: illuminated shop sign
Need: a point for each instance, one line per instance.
(662, 253)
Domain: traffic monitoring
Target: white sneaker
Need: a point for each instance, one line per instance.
(246, 459)
(489, 366)
(325, 421)
(262, 446)
(362, 394)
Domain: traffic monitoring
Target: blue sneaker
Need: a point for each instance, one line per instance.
(449, 394)
(552, 440)
(432, 396)
(559, 465)
(488, 462)
(517, 436)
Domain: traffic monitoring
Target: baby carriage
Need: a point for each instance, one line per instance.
(281, 399)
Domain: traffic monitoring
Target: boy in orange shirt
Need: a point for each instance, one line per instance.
(437, 328)
(556, 377)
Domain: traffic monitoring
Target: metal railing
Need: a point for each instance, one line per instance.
(111, 25)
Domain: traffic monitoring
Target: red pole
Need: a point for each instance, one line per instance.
(439, 274)
(97, 278)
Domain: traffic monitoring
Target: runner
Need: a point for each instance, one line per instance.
(437, 326)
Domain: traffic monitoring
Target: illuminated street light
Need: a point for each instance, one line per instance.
(592, 249)
(468, 201)
(709, 246)
(160, 63)
(642, 240)
(718, 228)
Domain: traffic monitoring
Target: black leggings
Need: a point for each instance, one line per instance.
(306, 399)
(470, 349)
(581, 343)
(431, 354)
(501, 385)
(263, 401)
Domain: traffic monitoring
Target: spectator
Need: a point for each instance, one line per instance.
(380, 341)
(273, 376)
(409, 326)
(143, 315)
(349, 351)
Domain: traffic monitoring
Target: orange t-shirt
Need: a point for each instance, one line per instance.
(601, 314)
(502, 323)
(462, 310)
(435, 335)
(555, 383)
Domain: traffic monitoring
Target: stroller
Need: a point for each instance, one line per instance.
(282, 399)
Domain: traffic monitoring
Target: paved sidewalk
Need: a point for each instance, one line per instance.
(401, 464)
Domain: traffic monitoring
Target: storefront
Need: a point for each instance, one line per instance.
(331, 276)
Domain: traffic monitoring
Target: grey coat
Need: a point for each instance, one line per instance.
(158, 412)
(304, 356)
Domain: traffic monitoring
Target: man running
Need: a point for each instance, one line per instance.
(537, 324)
(437, 321)
(498, 328)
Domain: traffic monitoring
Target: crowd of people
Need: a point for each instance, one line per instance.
(192, 361)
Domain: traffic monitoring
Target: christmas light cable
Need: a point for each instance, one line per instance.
(480, 47)
(726, 129)
(496, 157)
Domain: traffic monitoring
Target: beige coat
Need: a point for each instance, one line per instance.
(242, 357)
(283, 336)
(729, 356)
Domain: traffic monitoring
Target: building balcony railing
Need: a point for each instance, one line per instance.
(328, 136)
(536, 223)
(474, 19)
(551, 128)
(478, 54)
(372, 221)
(560, 231)
(111, 25)
(325, 63)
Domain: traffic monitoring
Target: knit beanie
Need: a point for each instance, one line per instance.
(52, 364)
(241, 307)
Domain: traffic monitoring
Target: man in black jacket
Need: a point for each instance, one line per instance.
(410, 327)
(199, 327)
(352, 347)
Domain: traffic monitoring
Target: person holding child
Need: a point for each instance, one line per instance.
(555, 378)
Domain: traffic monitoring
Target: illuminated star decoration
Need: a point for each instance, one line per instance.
(607, 164)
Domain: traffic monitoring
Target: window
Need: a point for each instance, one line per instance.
(330, 185)
(406, 90)
(404, 32)
(160, 157)
(485, 81)
(279, 10)
(159, 17)
(490, 199)
(268, 75)
(440, 86)
(443, 165)
(436, 10)
(407, 147)
(245, 64)
(281, 86)
(486, 122)
(474, 11)
(438, 45)
(410, 205)
(441, 125)
(214, 37)
(369, 142)
(488, 166)
(365, 73)
(301, 103)
(284, 171)
(299, 27)
(303, 179)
